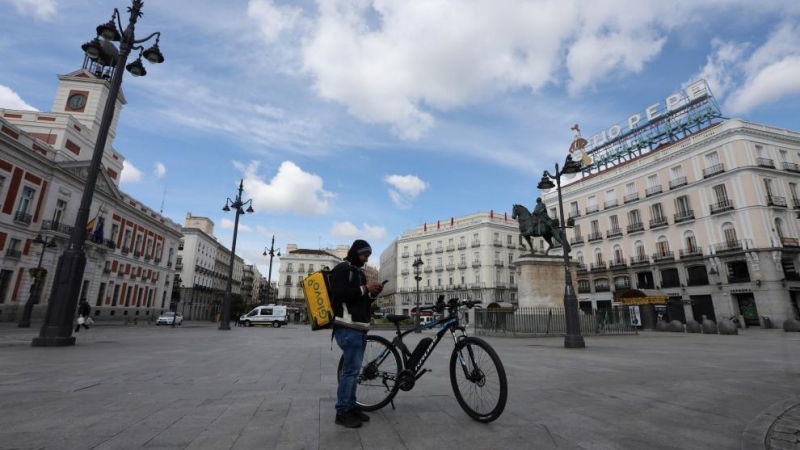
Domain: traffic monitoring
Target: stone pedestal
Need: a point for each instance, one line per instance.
(541, 280)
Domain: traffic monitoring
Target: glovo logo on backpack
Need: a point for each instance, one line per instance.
(318, 301)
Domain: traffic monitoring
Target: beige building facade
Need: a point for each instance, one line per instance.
(705, 226)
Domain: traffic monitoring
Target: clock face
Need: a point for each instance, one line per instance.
(76, 101)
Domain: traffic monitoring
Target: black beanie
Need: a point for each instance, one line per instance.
(359, 247)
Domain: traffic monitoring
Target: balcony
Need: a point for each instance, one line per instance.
(169, 264)
(404, 272)
(511, 245)
(476, 263)
(137, 254)
(574, 214)
(791, 167)
(428, 269)
(450, 248)
(475, 285)
(439, 268)
(476, 243)
(796, 203)
(610, 204)
(614, 232)
(147, 257)
(729, 246)
(639, 259)
(658, 222)
(602, 288)
(722, 206)
(405, 255)
(49, 225)
(618, 264)
(106, 270)
(157, 260)
(500, 284)
(683, 216)
(462, 265)
(178, 266)
(121, 273)
(591, 237)
(583, 289)
(592, 209)
(687, 253)
(13, 253)
(450, 267)
(499, 263)
(774, 200)
(462, 245)
(497, 243)
(597, 267)
(428, 251)
(765, 162)
(582, 268)
(112, 246)
(651, 191)
(713, 170)
(22, 217)
(663, 256)
(576, 240)
(125, 250)
(630, 198)
(789, 242)
(635, 227)
(677, 182)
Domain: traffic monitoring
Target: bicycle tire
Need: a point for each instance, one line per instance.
(376, 387)
(489, 379)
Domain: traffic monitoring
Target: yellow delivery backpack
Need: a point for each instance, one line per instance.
(318, 300)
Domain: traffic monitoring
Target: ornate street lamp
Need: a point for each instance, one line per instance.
(176, 297)
(237, 204)
(108, 63)
(417, 265)
(573, 338)
(38, 282)
(271, 252)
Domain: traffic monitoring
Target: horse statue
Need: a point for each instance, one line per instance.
(540, 225)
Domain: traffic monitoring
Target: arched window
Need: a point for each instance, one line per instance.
(579, 257)
(638, 250)
(662, 246)
(598, 257)
(729, 233)
(690, 244)
(618, 257)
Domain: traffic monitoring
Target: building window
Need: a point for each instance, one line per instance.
(682, 206)
(5, 282)
(630, 188)
(58, 214)
(595, 225)
(657, 212)
(633, 217)
(698, 276)
(25, 200)
(720, 193)
(669, 278)
(712, 159)
(730, 234)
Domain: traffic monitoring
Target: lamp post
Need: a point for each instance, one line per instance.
(237, 204)
(573, 338)
(176, 297)
(417, 265)
(36, 289)
(271, 252)
(108, 62)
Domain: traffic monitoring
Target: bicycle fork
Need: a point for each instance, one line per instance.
(474, 375)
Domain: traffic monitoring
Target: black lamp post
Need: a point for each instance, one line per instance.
(417, 265)
(36, 288)
(176, 297)
(237, 204)
(108, 62)
(271, 252)
(573, 338)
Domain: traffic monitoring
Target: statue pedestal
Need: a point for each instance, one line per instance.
(540, 280)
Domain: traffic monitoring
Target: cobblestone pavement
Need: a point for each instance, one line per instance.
(784, 434)
(195, 387)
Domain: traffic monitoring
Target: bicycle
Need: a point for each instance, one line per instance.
(476, 372)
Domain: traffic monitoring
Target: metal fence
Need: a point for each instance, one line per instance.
(550, 321)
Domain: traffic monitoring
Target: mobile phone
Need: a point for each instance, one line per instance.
(384, 282)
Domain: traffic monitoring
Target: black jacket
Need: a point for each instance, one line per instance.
(84, 309)
(351, 307)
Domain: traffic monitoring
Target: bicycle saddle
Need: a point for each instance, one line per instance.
(396, 318)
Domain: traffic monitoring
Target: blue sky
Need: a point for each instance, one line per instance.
(363, 118)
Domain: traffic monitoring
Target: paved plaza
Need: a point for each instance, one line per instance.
(194, 387)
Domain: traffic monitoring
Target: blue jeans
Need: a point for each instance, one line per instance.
(353, 343)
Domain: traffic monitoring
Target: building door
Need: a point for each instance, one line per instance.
(747, 308)
(795, 299)
(675, 309)
(703, 306)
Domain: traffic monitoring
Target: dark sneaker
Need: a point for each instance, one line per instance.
(347, 420)
(359, 414)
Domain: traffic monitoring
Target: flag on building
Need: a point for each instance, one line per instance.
(98, 231)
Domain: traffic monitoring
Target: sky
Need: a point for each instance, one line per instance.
(355, 119)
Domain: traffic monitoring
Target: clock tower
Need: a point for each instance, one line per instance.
(83, 95)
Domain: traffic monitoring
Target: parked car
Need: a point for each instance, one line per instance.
(274, 315)
(166, 318)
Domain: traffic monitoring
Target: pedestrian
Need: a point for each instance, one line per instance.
(83, 315)
(352, 298)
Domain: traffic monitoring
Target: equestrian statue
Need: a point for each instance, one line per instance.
(538, 224)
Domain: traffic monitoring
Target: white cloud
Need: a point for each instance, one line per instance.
(404, 189)
(272, 20)
(160, 170)
(11, 100)
(228, 224)
(721, 69)
(346, 230)
(290, 190)
(40, 9)
(130, 174)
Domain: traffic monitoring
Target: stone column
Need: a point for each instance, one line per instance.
(541, 280)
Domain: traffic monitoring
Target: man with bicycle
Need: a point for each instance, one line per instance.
(352, 297)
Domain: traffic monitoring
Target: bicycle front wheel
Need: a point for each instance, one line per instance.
(377, 383)
(478, 379)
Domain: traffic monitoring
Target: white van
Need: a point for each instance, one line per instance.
(265, 315)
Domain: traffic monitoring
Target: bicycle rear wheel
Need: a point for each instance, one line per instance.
(478, 379)
(377, 383)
